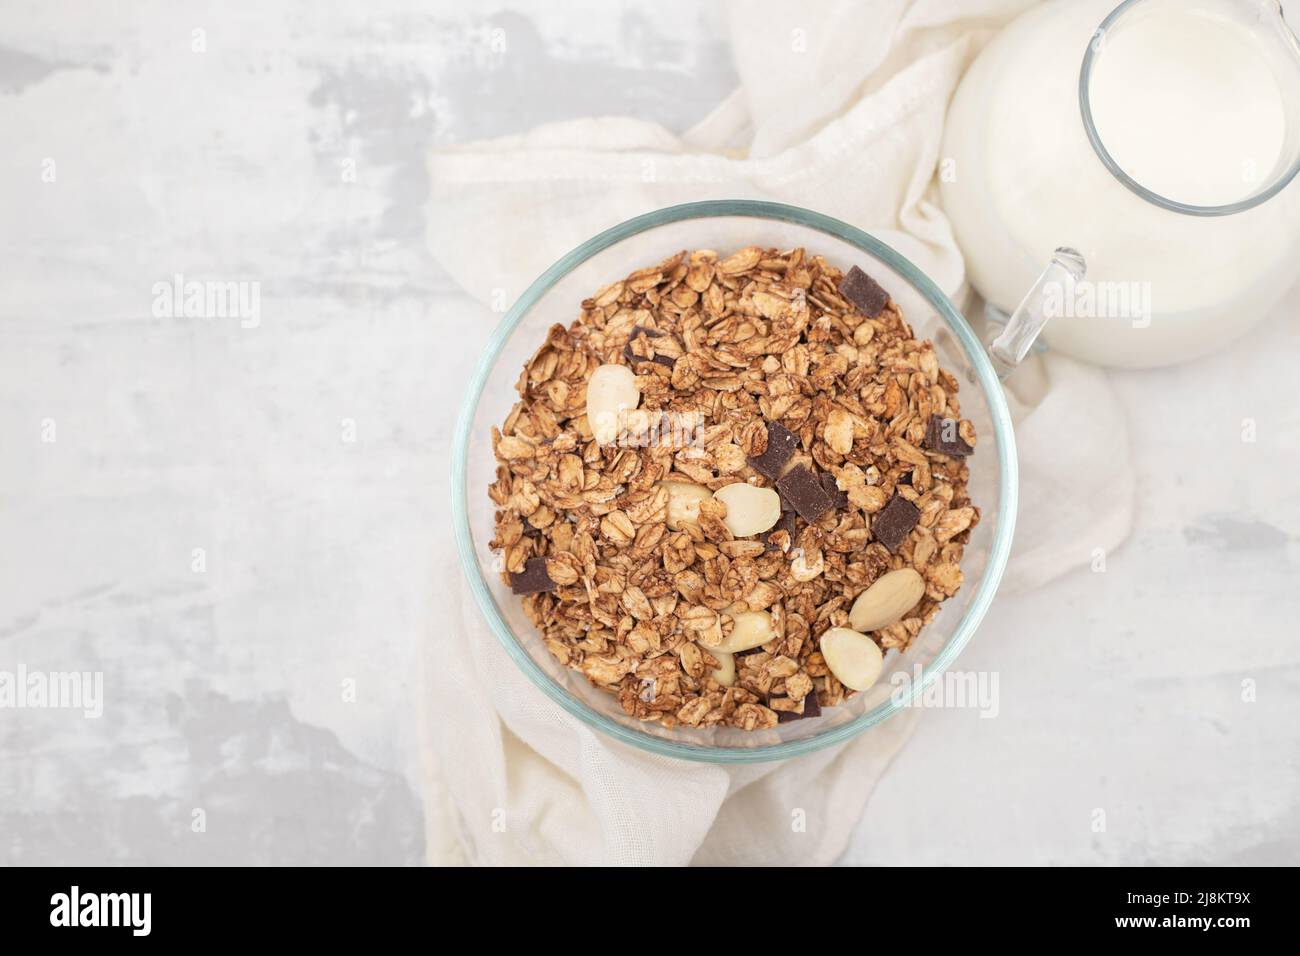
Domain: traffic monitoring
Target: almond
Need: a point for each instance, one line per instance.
(725, 672)
(611, 392)
(752, 629)
(750, 510)
(886, 601)
(684, 499)
(853, 658)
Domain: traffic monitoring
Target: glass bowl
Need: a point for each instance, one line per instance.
(725, 226)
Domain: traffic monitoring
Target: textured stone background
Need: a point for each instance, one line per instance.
(225, 688)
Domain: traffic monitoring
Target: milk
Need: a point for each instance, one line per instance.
(1189, 105)
(1186, 105)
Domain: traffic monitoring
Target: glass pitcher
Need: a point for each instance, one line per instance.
(1154, 146)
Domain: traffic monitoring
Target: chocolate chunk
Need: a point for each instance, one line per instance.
(864, 293)
(781, 443)
(895, 522)
(941, 436)
(811, 708)
(667, 361)
(803, 492)
(784, 523)
(839, 499)
(533, 579)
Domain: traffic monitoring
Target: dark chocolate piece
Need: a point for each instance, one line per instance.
(839, 499)
(895, 522)
(667, 361)
(811, 708)
(941, 436)
(803, 492)
(781, 443)
(784, 523)
(533, 579)
(864, 293)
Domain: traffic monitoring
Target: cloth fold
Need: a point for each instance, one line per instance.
(841, 110)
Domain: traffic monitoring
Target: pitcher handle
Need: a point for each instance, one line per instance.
(1056, 283)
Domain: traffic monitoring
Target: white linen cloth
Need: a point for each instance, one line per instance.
(841, 110)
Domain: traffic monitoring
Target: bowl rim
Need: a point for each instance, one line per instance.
(985, 375)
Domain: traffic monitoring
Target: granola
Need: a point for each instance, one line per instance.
(804, 392)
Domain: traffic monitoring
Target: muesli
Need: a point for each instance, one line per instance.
(731, 485)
